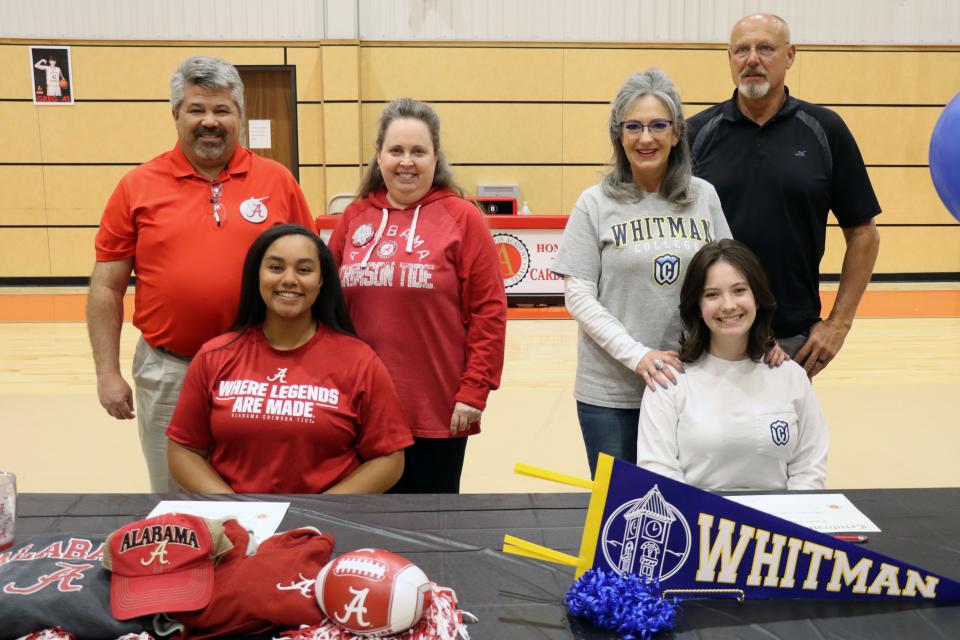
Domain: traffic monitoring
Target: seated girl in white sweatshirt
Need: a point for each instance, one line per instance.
(731, 422)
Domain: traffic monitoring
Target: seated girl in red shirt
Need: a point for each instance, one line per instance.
(289, 400)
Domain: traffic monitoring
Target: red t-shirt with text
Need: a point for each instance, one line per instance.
(296, 421)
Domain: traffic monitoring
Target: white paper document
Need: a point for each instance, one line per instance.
(259, 134)
(824, 512)
(262, 518)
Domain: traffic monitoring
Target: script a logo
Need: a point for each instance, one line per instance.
(304, 586)
(648, 537)
(157, 555)
(64, 579)
(254, 210)
(356, 607)
(280, 376)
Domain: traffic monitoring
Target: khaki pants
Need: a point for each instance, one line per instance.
(158, 377)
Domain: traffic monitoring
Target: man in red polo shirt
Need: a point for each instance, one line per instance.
(183, 222)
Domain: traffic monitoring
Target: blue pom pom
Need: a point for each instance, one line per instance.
(626, 604)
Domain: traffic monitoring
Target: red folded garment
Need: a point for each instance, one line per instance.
(271, 588)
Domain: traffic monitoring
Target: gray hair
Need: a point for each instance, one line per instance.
(207, 72)
(618, 182)
(400, 108)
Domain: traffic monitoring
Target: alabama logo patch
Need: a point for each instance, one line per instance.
(386, 249)
(254, 210)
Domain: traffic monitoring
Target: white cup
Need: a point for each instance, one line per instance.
(8, 508)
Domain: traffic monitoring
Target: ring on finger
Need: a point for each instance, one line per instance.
(658, 363)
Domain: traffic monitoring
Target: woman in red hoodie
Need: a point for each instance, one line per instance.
(420, 273)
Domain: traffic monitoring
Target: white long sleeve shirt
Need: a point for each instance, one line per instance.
(734, 425)
(580, 297)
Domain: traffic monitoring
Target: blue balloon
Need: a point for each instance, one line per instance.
(945, 156)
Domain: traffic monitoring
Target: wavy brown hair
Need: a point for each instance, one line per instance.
(695, 337)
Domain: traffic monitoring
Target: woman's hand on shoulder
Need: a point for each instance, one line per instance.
(656, 367)
(776, 356)
(463, 416)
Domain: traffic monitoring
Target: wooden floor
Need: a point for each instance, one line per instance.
(890, 398)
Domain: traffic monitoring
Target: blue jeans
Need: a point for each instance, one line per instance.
(610, 431)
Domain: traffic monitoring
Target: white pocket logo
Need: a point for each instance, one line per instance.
(780, 432)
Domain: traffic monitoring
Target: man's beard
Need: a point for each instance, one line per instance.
(753, 90)
(209, 150)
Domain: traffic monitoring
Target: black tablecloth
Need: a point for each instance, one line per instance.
(456, 541)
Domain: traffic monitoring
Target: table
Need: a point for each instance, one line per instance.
(455, 540)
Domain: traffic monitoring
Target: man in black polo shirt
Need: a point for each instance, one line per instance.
(779, 164)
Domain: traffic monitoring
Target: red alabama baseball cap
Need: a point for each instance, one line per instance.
(163, 564)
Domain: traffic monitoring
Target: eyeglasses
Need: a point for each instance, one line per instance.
(216, 190)
(656, 128)
(764, 50)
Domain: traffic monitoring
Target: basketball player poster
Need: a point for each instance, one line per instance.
(51, 75)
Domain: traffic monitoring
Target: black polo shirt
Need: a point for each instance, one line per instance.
(776, 183)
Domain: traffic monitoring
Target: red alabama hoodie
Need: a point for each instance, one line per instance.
(424, 289)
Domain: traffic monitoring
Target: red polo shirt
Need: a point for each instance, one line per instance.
(187, 262)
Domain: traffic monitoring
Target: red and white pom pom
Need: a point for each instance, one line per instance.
(53, 633)
(373, 592)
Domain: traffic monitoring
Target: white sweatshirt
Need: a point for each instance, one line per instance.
(731, 425)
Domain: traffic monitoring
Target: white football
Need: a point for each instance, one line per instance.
(373, 592)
